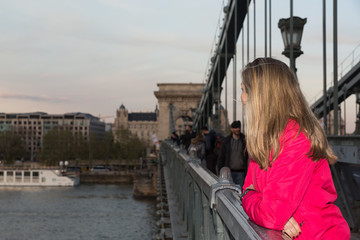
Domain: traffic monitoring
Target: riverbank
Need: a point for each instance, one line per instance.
(143, 181)
(112, 177)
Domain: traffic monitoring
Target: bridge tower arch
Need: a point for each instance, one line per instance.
(177, 101)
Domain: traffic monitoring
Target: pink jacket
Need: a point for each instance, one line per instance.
(295, 186)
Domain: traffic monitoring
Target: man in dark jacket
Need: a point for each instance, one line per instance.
(210, 156)
(186, 138)
(233, 154)
(175, 138)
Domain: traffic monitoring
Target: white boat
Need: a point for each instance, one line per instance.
(38, 177)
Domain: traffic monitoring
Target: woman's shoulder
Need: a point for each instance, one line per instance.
(292, 126)
(292, 130)
(292, 135)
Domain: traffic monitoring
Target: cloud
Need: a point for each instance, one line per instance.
(32, 97)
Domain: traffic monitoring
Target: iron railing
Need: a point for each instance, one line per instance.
(344, 67)
(209, 208)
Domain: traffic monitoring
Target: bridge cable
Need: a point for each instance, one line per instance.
(344, 97)
(324, 66)
(265, 27)
(234, 66)
(248, 31)
(292, 67)
(335, 62)
(226, 83)
(218, 98)
(242, 67)
(254, 29)
(270, 28)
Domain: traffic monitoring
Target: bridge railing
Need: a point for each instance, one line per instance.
(208, 208)
(344, 67)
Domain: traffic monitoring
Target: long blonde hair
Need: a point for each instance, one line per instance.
(274, 97)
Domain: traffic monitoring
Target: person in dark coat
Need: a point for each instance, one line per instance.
(233, 154)
(210, 141)
(175, 138)
(186, 138)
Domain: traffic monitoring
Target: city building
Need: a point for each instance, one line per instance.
(177, 102)
(142, 124)
(32, 127)
(109, 127)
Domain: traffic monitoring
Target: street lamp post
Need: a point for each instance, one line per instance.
(292, 38)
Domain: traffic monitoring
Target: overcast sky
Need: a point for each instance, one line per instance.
(60, 56)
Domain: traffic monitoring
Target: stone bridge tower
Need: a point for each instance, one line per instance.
(179, 99)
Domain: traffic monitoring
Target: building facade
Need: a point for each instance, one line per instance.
(142, 124)
(177, 103)
(32, 127)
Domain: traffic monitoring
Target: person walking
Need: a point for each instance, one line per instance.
(186, 138)
(288, 186)
(233, 154)
(175, 138)
(210, 156)
(198, 145)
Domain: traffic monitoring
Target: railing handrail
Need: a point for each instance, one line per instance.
(343, 70)
(187, 178)
(352, 61)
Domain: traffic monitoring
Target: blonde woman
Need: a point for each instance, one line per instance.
(288, 186)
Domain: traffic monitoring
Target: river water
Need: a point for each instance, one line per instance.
(84, 212)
